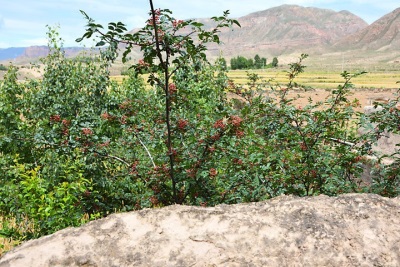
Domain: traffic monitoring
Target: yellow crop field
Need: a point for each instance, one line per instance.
(322, 80)
(314, 79)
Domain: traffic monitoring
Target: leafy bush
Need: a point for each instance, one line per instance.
(76, 146)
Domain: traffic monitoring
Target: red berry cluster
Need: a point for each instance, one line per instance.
(65, 131)
(215, 137)
(105, 144)
(219, 124)
(235, 120)
(303, 146)
(181, 124)
(213, 172)
(172, 152)
(126, 104)
(237, 161)
(163, 168)
(143, 63)
(87, 131)
(176, 23)
(66, 123)
(154, 200)
(239, 133)
(106, 116)
(133, 168)
(191, 173)
(160, 34)
(172, 89)
(179, 44)
(123, 119)
(313, 173)
(55, 118)
(157, 14)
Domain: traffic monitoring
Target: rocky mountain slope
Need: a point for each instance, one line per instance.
(348, 230)
(289, 28)
(383, 34)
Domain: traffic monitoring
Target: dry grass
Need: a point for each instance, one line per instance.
(7, 243)
(313, 78)
(322, 79)
(22, 228)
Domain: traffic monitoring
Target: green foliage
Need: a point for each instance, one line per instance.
(76, 146)
(240, 63)
(222, 63)
(259, 63)
(2, 67)
(382, 123)
(274, 62)
(45, 204)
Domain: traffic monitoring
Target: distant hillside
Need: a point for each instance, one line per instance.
(382, 35)
(34, 52)
(42, 51)
(289, 28)
(11, 53)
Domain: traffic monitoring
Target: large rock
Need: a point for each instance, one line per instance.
(349, 230)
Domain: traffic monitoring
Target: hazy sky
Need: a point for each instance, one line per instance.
(23, 22)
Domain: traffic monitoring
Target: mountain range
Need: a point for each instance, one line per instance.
(286, 29)
(383, 34)
(33, 52)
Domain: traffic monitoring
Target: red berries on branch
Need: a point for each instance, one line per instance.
(219, 124)
(157, 14)
(172, 89)
(55, 118)
(213, 172)
(181, 124)
(235, 120)
(143, 64)
(87, 131)
(176, 23)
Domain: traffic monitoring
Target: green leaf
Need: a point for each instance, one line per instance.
(101, 43)
(197, 24)
(236, 22)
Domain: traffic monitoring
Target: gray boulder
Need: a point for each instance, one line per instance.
(349, 230)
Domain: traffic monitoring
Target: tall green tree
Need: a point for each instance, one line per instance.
(258, 63)
(274, 62)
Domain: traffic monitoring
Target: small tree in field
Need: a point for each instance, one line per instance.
(258, 63)
(274, 62)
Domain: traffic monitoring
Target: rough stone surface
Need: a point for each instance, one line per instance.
(349, 230)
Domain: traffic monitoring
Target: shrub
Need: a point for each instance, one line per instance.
(76, 146)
